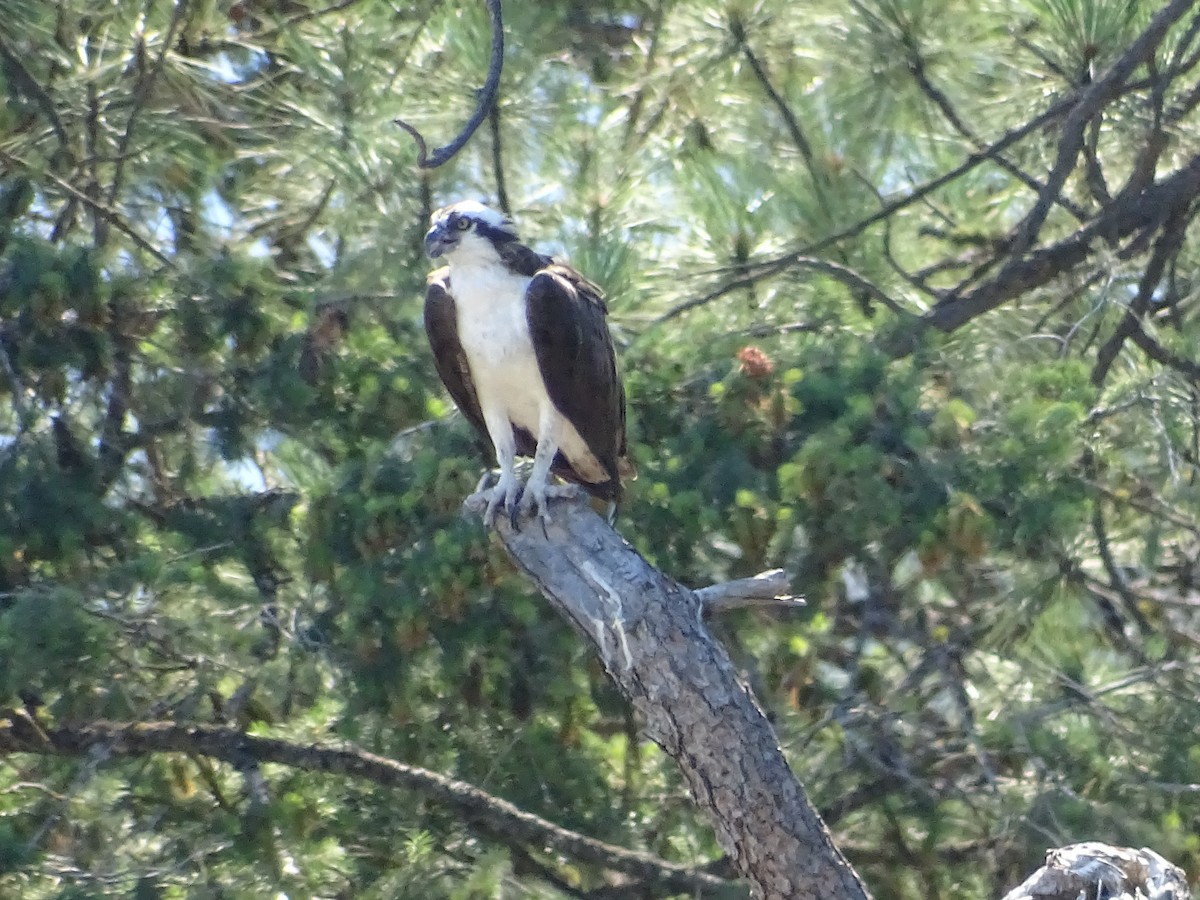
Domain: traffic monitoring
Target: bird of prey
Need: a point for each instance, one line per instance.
(521, 343)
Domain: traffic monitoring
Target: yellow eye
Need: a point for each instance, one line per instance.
(462, 224)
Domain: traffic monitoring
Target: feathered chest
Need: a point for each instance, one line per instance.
(492, 323)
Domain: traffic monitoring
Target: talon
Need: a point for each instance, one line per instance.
(493, 508)
(534, 504)
(513, 505)
(504, 495)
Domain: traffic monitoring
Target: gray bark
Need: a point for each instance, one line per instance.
(649, 633)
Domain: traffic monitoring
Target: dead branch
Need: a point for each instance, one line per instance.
(770, 267)
(1025, 265)
(487, 96)
(765, 589)
(1169, 242)
(916, 66)
(649, 634)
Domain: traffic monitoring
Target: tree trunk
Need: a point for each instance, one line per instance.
(649, 633)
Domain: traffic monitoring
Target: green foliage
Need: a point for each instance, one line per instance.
(230, 483)
(39, 631)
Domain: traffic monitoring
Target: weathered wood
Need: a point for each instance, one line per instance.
(1092, 869)
(768, 589)
(649, 633)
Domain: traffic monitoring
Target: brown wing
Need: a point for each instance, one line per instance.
(566, 316)
(441, 326)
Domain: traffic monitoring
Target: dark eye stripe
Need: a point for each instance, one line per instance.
(494, 234)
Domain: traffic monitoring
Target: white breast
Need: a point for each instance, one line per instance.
(494, 332)
(495, 335)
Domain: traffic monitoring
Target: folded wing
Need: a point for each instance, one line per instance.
(566, 315)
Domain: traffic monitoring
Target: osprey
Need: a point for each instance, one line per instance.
(521, 343)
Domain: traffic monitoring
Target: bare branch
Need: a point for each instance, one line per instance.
(1080, 108)
(916, 66)
(1161, 355)
(770, 267)
(785, 112)
(1165, 248)
(769, 330)
(491, 814)
(648, 633)
(764, 589)
(487, 97)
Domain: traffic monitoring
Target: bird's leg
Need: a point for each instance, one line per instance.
(537, 491)
(507, 491)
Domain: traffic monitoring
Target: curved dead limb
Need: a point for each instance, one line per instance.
(487, 96)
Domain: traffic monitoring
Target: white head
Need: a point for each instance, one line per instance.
(468, 230)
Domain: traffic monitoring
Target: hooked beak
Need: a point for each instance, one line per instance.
(439, 240)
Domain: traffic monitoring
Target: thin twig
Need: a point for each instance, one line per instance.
(33, 87)
(498, 159)
(443, 155)
(844, 274)
(761, 331)
(819, 177)
(141, 95)
(268, 34)
(106, 212)
(14, 384)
